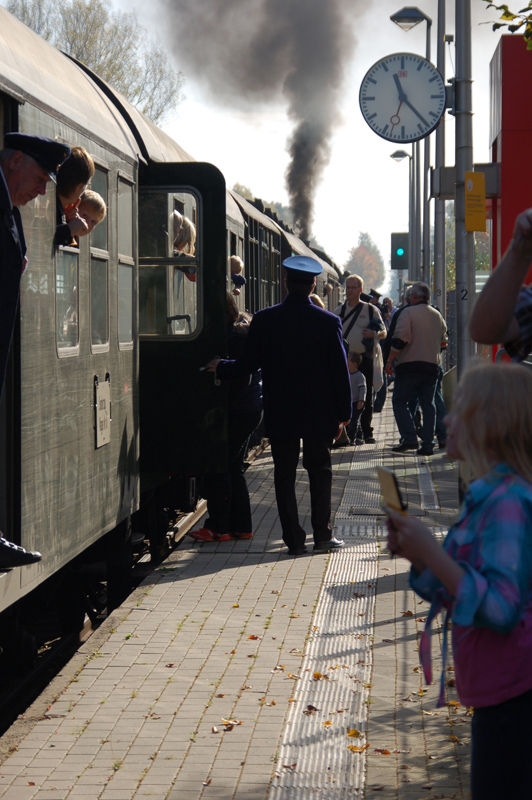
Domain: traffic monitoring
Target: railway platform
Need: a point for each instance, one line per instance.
(236, 672)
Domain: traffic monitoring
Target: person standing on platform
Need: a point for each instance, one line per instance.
(415, 352)
(358, 322)
(307, 396)
(27, 164)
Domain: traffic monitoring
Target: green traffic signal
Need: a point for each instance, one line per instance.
(400, 243)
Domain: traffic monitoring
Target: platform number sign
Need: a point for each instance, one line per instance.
(102, 411)
(400, 250)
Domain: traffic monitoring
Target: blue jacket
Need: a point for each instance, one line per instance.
(306, 386)
(12, 252)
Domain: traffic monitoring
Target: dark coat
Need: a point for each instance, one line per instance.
(12, 253)
(306, 387)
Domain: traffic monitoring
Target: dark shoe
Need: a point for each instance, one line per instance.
(370, 440)
(297, 551)
(442, 444)
(11, 555)
(425, 451)
(359, 442)
(327, 545)
(403, 447)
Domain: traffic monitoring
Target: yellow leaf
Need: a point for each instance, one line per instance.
(327, 723)
(353, 733)
(355, 749)
(235, 605)
(407, 614)
(318, 676)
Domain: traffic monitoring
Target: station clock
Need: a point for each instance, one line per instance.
(403, 97)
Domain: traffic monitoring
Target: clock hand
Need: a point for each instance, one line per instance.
(404, 99)
(416, 112)
(402, 95)
(396, 117)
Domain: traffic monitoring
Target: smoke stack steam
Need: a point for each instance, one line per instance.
(253, 52)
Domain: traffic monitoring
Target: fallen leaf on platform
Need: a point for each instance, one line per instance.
(290, 766)
(214, 729)
(451, 682)
(327, 723)
(318, 676)
(416, 669)
(294, 677)
(353, 733)
(309, 711)
(389, 641)
(207, 783)
(253, 636)
(454, 738)
(453, 703)
(235, 605)
(169, 665)
(275, 591)
(356, 749)
(220, 695)
(407, 614)
(382, 752)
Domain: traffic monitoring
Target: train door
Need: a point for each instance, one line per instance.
(182, 319)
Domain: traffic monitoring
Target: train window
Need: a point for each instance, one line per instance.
(99, 234)
(125, 306)
(125, 218)
(99, 303)
(67, 302)
(169, 263)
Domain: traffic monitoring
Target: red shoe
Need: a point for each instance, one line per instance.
(205, 535)
(241, 536)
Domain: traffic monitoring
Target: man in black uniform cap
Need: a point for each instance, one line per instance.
(27, 164)
(307, 394)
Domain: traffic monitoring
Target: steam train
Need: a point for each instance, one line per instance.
(106, 418)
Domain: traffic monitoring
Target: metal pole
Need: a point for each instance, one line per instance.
(411, 217)
(417, 213)
(440, 293)
(465, 248)
(425, 271)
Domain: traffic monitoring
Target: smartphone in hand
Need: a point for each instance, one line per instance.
(391, 494)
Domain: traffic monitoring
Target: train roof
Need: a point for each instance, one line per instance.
(299, 247)
(154, 144)
(35, 72)
(249, 209)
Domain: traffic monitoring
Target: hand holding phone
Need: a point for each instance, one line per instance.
(391, 501)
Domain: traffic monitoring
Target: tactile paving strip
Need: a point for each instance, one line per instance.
(427, 491)
(329, 698)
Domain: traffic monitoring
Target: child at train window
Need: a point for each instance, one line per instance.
(78, 169)
(92, 209)
(482, 576)
(237, 279)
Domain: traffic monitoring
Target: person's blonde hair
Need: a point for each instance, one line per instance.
(95, 201)
(236, 265)
(185, 240)
(493, 405)
(316, 299)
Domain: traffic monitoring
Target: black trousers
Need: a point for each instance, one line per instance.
(317, 462)
(227, 493)
(501, 748)
(366, 368)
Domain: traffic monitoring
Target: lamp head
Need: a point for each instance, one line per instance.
(409, 17)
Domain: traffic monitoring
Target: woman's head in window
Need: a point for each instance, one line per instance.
(184, 234)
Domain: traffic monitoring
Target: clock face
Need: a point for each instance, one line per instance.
(402, 97)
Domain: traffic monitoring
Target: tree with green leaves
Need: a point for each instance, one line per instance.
(518, 21)
(482, 249)
(366, 260)
(113, 45)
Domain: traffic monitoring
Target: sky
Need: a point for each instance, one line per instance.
(361, 189)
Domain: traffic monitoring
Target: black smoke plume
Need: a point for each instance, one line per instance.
(253, 52)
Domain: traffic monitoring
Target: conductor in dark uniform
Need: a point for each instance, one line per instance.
(307, 394)
(27, 164)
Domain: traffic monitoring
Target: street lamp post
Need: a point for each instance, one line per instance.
(407, 19)
(399, 156)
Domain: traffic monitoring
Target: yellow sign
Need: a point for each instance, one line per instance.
(475, 201)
